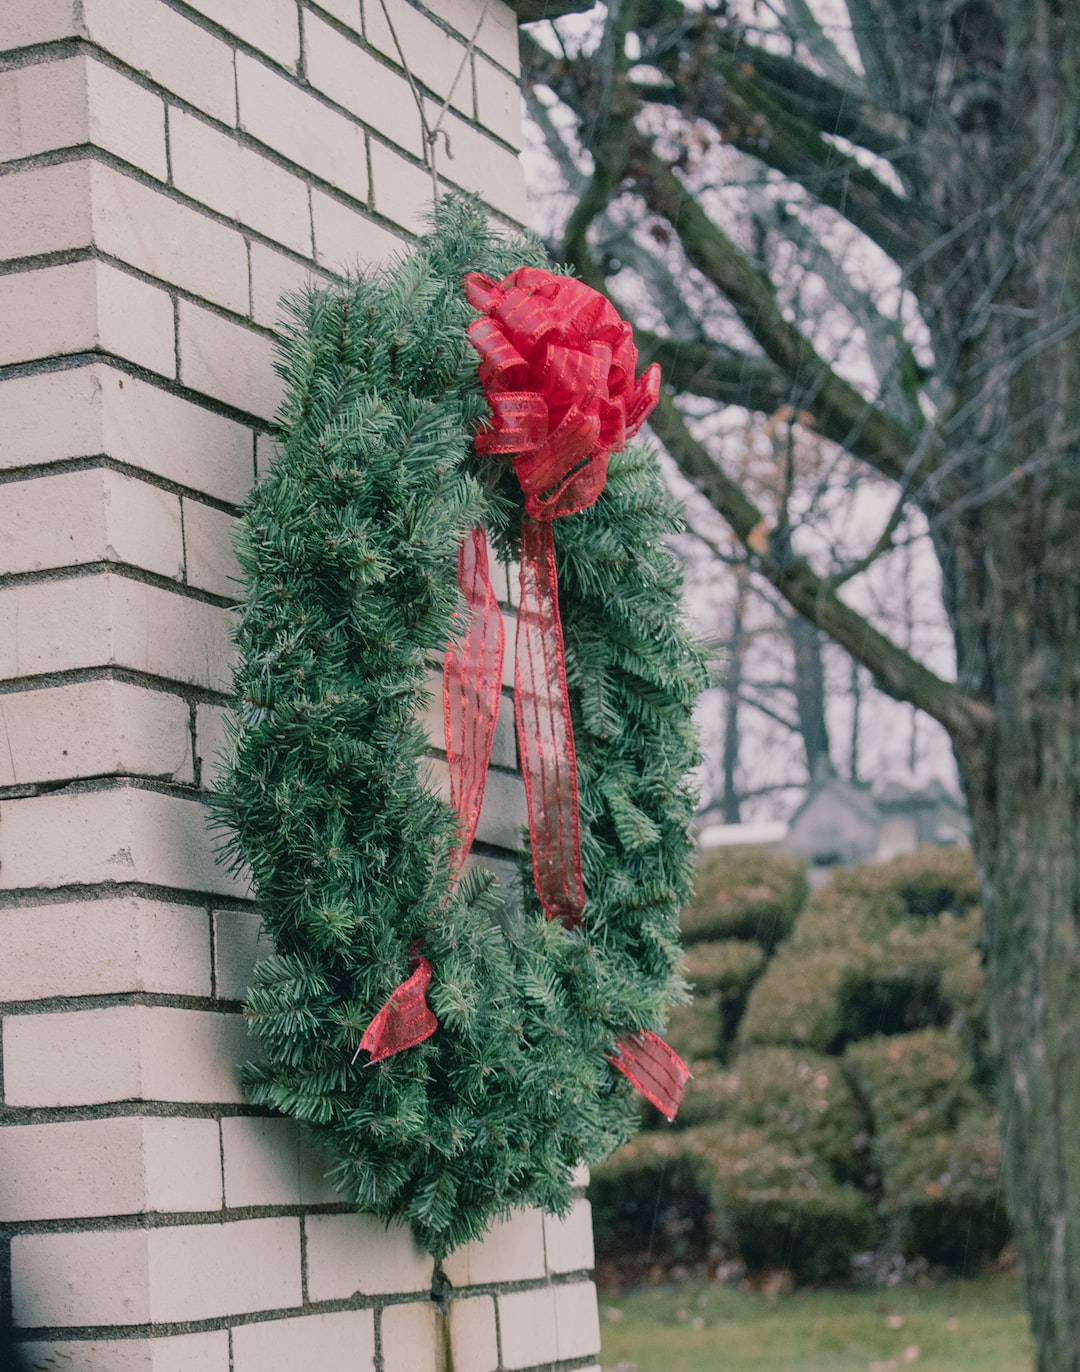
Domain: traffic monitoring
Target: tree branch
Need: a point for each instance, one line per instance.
(895, 671)
(705, 369)
(742, 109)
(840, 412)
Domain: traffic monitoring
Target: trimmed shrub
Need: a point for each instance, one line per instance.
(778, 1206)
(797, 999)
(937, 1145)
(914, 1085)
(744, 893)
(728, 967)
(796, 1098)
(650, 1197)
(696, 1031)
(927, 881)
(946, 1195)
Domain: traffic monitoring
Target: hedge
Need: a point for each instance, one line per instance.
(744, 893)
(796, 1098)
(937, 1145)
(728, 967)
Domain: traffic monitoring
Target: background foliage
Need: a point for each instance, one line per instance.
(840, 1105)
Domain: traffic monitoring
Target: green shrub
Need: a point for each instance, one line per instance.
(650, 1196)
(914, 1085)
(936, 1144)
(858, 965)
(744, 893)
(945, 1195)
(796, 1098)
(728, 967)
(796, 1001)
(778, 1204)
(928, 881)
(696, 1031)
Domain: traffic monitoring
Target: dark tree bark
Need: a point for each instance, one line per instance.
(976, 106)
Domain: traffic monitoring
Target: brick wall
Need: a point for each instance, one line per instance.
(167, 169)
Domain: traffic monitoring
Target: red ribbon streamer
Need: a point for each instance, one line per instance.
(557, 365)
(405, 1020)
(654, 1068)
(472, 685)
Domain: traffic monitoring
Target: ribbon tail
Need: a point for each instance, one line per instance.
(404, 1021)
(472, 685)
(545, 735)
(654, 1068)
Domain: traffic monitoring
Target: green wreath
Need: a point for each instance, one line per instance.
(348, 548)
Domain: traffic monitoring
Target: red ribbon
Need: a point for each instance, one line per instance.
(654, 1068)
(404, 1021)
(557, 365)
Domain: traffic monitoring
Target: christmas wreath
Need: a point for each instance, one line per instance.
(453, 1066)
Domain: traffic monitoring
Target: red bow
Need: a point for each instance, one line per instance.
(557, 365)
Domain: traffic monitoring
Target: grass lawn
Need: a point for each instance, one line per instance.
(958, 1326)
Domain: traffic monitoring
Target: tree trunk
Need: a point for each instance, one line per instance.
(809, 684)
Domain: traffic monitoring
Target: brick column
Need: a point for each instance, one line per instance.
(169, 167)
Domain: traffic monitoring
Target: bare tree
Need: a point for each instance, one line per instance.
(917, 161)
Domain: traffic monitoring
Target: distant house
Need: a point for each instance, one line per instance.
(842, 823)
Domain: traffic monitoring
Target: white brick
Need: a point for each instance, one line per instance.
(126, 119)
(64, 104)
(173, 51)
(271, 26)
(375, 94)
(124, 1052)
(479, 164)
(272, 276)
(356, 1253)
(339, 1342)
(121, 834)
(577, 1320)
(188, 1272)
(211, 562)
(99, 947)
(529, 1332)
(207, 1352)
(118, 1166)
(213, 168)
(434, 55)
(228, 361)
(473, 1336)
(42, 22)
(239, 942)
(98, 1278)
(498, 102)
(408, 1337)
(83, 306)
(67, 519)
(266, 448)
(345, 239)
(211, 742)
(498, 35)
(83, 1167)
(174, 438)
(110, 620)
(93, 728)
(569, 1242)
(181, 1164)
(203, 1271)
(503, 814)
(400, 191)
(85, 411)
(511, 1250)
(308, 133)
(167, 240)
(272, 1162)
(46, 209)
(347, 11)
(504, 744)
